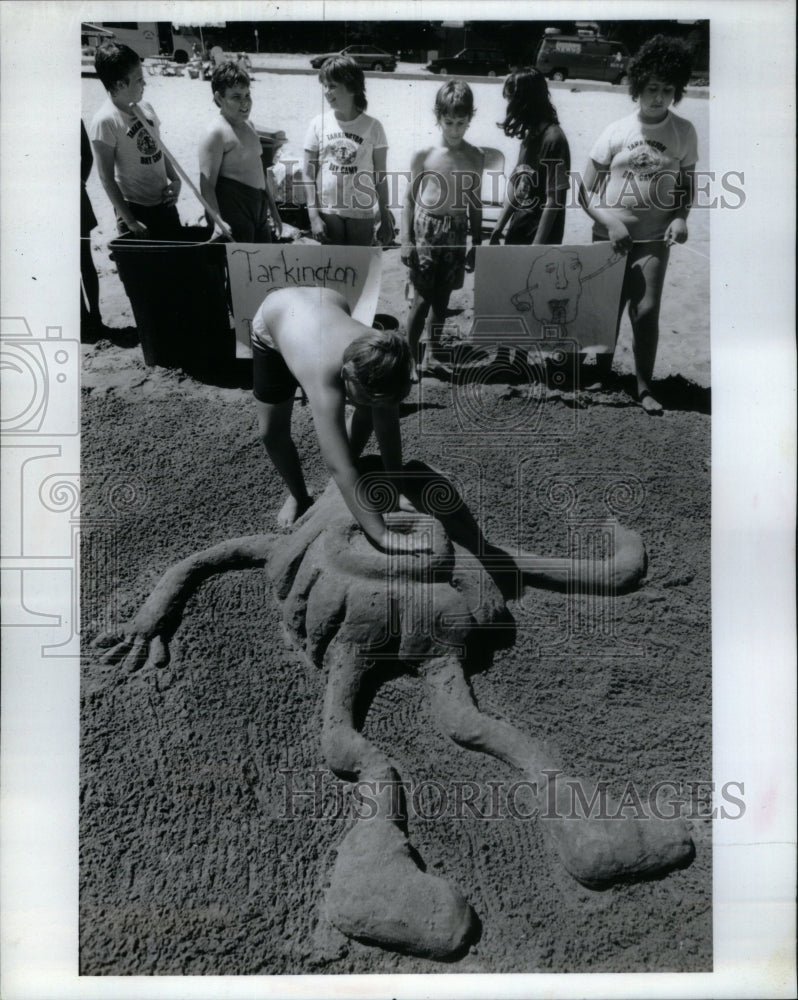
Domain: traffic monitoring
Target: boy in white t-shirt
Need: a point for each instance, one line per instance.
(139, 180)
(638, 189)
(346, 154)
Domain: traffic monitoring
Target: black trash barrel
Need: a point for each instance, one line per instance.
(177, 289)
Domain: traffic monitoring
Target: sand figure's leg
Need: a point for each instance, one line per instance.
(377, 892)
(596, 849)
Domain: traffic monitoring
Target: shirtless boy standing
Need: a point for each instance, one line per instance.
(307, 337)
(232, 180)
(442, 203)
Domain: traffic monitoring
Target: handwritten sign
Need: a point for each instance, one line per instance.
(256, 269)
(563, 293)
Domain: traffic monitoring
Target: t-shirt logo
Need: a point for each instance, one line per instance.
(343, 152)
(145, 143)
(645, 160)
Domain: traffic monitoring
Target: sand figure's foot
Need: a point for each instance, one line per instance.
(379, 895)
(652, 406)
(616, 846)
(292, 510)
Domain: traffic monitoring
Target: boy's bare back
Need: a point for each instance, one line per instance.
(311, 328)
(446, 177)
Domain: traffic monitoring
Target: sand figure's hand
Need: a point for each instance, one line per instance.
(133, 646)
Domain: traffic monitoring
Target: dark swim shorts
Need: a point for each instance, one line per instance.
(244, 209)
(272, 380)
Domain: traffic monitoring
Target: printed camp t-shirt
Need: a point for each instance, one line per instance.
(139, 166)
(644, 161)
(345, 151)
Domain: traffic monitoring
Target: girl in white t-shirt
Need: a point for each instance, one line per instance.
(345, 159)
(638, 189)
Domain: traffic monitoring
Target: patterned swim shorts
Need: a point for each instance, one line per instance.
(438, 261)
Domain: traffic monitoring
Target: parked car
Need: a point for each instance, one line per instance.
(366, 56)
(585, 57)
(472, 62)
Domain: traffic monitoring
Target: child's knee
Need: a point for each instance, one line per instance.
(273, 432)
(646, 312)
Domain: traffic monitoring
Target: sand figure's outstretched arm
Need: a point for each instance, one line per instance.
(143, 641)
(377, 891)
(433, 493)
(597, 841)
(615, 574)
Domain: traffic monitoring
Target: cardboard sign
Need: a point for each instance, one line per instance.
(259, 268)
(548, 293)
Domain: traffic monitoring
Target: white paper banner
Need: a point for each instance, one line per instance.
(560, 293)
(256, 269)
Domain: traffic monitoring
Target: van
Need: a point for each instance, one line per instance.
(152, 38)
(583, 57)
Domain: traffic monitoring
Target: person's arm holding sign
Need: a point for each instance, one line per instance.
(683, 195)
(591, 188)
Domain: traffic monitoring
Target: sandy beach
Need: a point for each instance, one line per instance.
(188, 862)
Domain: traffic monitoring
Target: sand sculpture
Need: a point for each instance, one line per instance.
(351, 609)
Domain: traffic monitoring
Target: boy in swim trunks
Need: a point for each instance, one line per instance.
(307, 337)
(231, 170)
(442, 204)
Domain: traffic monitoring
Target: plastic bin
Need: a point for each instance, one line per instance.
(178, 293)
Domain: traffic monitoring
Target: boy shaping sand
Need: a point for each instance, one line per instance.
(139, 180)
(307, 337)
(442, 203)
(232, 178)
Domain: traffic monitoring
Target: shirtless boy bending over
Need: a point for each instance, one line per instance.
(307, 337)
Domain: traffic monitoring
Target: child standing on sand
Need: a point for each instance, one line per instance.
(534, 205)
(638, 189)
(232, 179)
(442, 203)
(140, 182)
(346, 154)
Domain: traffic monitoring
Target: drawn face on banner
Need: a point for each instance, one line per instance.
(552, 288)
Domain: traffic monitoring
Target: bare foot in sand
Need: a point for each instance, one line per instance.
(652, 407)
(292, 510)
